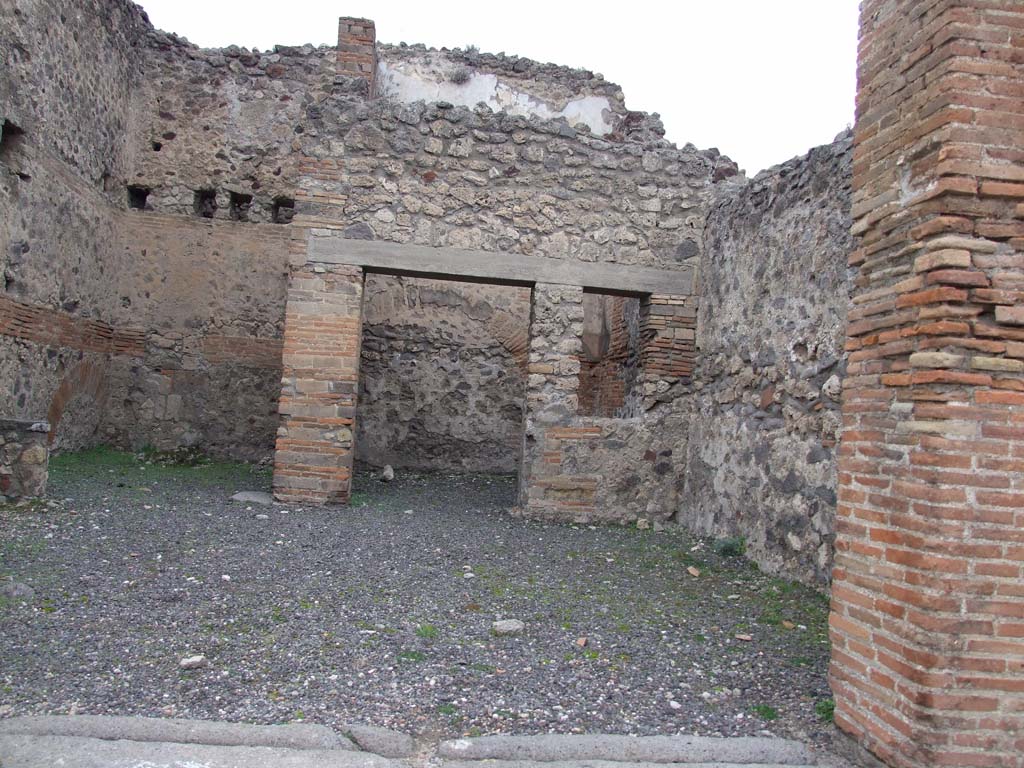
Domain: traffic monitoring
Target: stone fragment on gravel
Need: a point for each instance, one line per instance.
(381, 741)
(387, 474)
(193, 662)
(253, 497)
(507, 627)
(15, 590)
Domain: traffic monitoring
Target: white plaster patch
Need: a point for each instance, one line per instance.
(429, 81)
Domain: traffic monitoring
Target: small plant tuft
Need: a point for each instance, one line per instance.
(427, 631)
(460, 75)
(826, 710)
(765, 711)
(731, 546)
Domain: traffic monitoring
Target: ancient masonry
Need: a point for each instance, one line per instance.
(360, 254)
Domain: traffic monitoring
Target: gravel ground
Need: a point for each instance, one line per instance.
(382, 613)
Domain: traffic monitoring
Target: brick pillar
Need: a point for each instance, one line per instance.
(357, 50)
(668, 327)
(322, 331)
(928, 589)
(552, 405)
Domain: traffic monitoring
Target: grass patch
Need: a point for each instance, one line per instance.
(825, 710)
(138, 471)
(730, 546)
(427, 631)
(765, 711)
(412, 656)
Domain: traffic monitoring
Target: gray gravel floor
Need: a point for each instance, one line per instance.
(381, 613)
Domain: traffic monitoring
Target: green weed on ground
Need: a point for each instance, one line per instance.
(138, 471)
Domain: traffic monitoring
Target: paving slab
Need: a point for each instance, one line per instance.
(635, 749)
(209, 732)
(33, 751)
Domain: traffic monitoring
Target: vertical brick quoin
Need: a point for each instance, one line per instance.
(320, 360)
(927, 621)
(357, 50)
(552, 402)
(668, 330)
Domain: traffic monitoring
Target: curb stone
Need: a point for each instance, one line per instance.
(202, 732)
(637, 749)
(32, 751)
(380, 741)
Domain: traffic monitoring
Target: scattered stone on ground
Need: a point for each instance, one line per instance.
(507, 627)
(362, 615)
(253, 497)
(387, 474)
(193, 662)
(15, 590)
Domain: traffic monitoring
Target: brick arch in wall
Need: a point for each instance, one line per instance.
(87, 378)
(510, 330)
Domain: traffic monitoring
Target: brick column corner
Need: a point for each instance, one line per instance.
(319, 385)
(357, 50)
(927, 620)
(668, 327)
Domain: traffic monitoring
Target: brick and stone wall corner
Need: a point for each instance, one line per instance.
(24, 458)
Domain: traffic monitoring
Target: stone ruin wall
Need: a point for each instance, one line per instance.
(185, 295)
(447, 176)
(766, 421)
(216, 143)
(69, 72)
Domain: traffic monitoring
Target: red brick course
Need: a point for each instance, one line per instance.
(50, 327)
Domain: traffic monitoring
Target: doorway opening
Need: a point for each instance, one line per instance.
(442, 375)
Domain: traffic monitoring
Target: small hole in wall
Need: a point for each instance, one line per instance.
(11, 141)
(137, 197)
(205, 203)
(157, 146)
(240, 203)
(283, 210)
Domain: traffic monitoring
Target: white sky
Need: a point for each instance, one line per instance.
(762, 80)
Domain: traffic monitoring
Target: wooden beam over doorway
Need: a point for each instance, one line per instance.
(327, 246)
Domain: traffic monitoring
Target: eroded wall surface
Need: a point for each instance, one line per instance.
(774, 292)
(69, 71)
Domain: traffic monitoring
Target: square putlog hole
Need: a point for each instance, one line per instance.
(283, 210)
(240, 203)
(205, 203)
(137, 197)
